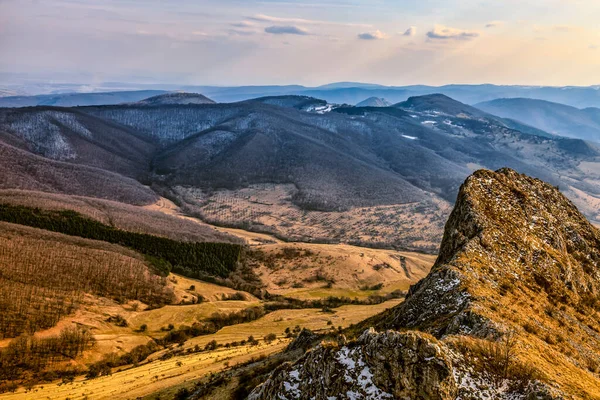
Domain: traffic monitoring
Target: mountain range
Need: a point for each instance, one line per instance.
(559, 119)
(321, 157)
(340, 93)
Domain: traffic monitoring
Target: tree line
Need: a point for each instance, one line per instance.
(192, 259)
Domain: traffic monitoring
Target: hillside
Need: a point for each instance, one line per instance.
(302, 169)
(555, 118)
(78, 99)
(509, 310)
(175, 98)
(20, 169)
(304, 103)
(374, 102)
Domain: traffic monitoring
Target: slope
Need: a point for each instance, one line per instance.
(78, 99)
(71, 136)
(512, 300)
(374, 102)
(555, 118)
(176, 98)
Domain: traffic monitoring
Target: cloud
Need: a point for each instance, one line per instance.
(377, 35)
(269, 18)
(444, 33)
(563, 28)
(286, 30)
(412, 31)
(243, 24)
(494, 24)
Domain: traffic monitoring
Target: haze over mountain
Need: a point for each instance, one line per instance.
(175, 98)
(78, 99)
(555, 118)
(348, 93)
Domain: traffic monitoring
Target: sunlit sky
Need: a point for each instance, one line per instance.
(310, 42)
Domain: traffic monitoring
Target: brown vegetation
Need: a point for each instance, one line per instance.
(44, 275)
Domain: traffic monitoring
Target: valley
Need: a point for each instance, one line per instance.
(227, 239)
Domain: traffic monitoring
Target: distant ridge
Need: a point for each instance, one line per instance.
(555, 118)
(176, 98)
(374, 102)
(78, 99)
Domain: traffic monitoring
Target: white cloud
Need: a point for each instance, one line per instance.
(376, 35)
(269, 18)
(286, 30)
(445, 33)
(412, 31)
(494, 24)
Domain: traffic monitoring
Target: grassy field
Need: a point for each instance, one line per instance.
(149, 378)
(290, 269)
(158, 375)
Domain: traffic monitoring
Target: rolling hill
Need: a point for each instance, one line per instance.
(78, 99)
(273, 164)
(374, 102)
(175, 98)
(555, 118)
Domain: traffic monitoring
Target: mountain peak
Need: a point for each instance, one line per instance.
(505, 226)
(176, 98)
(374, 102)
(517, 274)
(438, 102)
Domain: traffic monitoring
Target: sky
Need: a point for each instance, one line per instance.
(308, 42)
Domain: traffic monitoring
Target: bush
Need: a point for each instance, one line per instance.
(270, 337)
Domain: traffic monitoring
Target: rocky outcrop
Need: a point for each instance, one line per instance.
(513, 302)
(389, 365)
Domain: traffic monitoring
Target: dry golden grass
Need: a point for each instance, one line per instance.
(45, 275)
(268, 207)
(157, 375)
(149, 378)
(291, 268)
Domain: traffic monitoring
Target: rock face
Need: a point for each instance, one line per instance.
(506, 229)
(513, 300)
(388, 365)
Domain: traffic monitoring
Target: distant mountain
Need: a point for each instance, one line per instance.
(412, 156)
(8, 92)
(439, 103)
(374, 102)
(423, 142)
(556, 118)
(436, 103)
(346, 85)
(353, 93)
(304, 103)
(337, 93)
(78, 99)
(176, 98)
